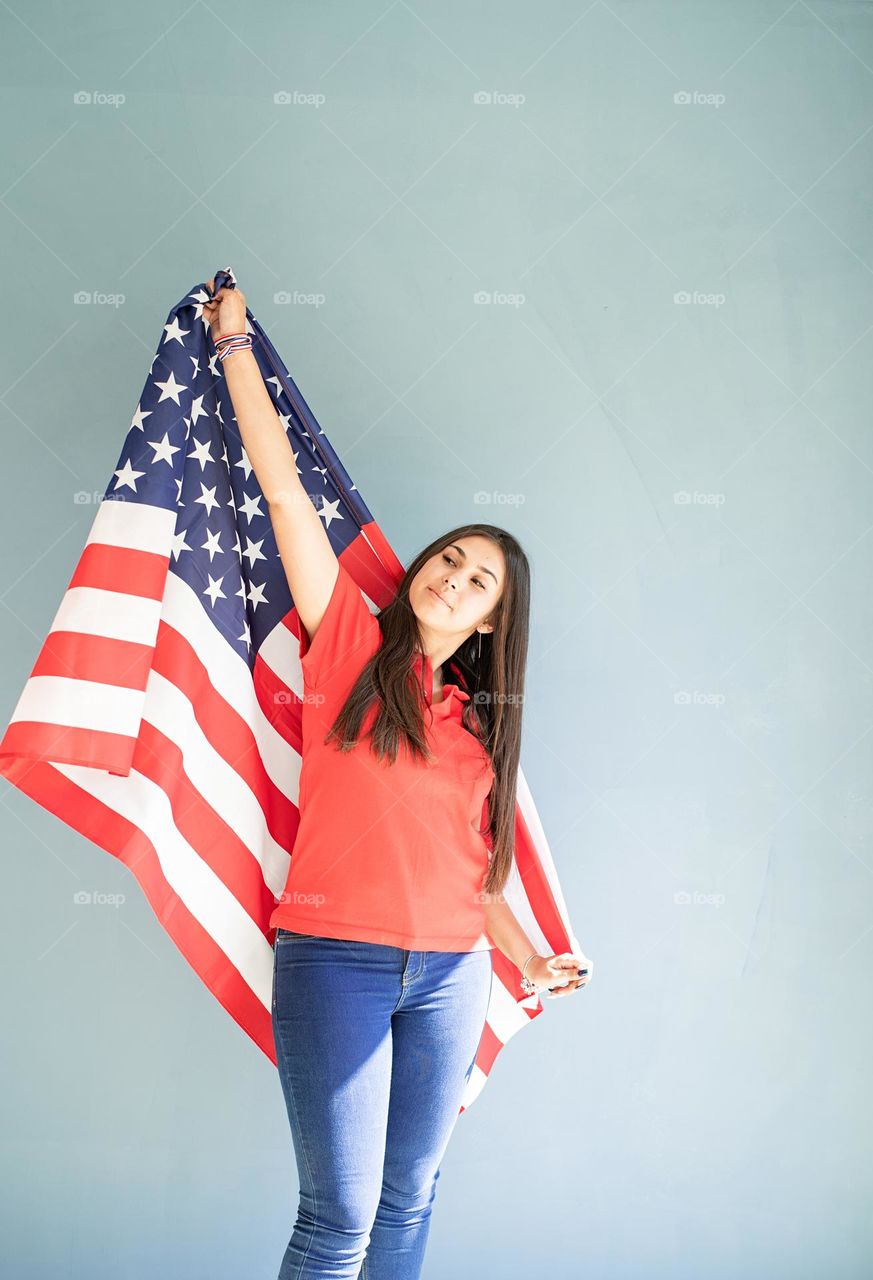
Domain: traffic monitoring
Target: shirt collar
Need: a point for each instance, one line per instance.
(450, 690)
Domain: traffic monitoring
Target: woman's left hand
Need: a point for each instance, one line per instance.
(563, 969)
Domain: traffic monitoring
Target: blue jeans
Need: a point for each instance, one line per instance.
(375, 1046)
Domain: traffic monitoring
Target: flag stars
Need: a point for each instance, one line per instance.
(197, 410)
(179, 544)
(245, 464)
(170, 389)
(214, 590)
(256, 595)
(329, 512)
(250, 507)
(207, 497)
(212, 544)
(201, 452)
(163, 449)
(253, 552)
(139, 417)
(174, 331)
(127, 476)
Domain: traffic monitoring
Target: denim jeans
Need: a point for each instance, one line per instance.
(374, 1046)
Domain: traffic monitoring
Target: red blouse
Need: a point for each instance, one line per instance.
(384, 853)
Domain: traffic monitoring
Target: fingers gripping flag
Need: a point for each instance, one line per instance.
(162, 717)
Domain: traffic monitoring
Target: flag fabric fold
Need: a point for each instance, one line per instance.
(161, 719)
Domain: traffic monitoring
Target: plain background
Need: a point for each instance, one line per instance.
(667, 400)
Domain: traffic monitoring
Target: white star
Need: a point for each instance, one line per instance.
(212, 544)
(213, 366)
(250, 506)
(256, 595)
(245, 464)
(170, 388)
(163, 449)
(214, 589)
(253, 551)
(246, 636)
(279, 387)
(196, 364)
(197, 410)
(208, 498)
(127, 475)
(329, 511)
(179, 544)
(172, 330)
(322, 471)
(201, 452)
(137, 419)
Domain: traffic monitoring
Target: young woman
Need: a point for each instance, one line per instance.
(383, 971)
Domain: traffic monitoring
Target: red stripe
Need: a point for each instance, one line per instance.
(216, 844)
(537, 887)
(224, 728)
(92, 819)
(78, 656)
(35, 740)
(108, 568)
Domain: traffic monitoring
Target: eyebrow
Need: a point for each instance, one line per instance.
(462, 553)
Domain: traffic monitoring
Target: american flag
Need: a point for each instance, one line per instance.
(162, 717)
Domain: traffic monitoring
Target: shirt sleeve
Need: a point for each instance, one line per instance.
(347, 636)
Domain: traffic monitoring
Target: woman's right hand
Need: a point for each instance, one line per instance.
(226, 312)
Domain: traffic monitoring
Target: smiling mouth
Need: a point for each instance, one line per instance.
(441, 599)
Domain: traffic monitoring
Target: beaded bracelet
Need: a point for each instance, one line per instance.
(230, 342)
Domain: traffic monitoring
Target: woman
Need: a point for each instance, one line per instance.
(383, 971)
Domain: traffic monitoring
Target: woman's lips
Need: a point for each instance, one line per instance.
(441, 599)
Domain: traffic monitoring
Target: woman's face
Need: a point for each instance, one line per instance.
(459, 587)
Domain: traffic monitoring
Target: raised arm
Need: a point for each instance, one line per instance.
(308, 559)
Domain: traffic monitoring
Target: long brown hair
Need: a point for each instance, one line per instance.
(495, 684)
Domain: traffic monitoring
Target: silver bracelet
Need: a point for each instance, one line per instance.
(526, 985)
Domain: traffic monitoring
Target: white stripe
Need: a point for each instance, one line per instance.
(80, 704)
(135, 525)
(222, 788)
(207, 898)
(93, 611)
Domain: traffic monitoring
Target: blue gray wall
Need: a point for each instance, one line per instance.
(666, 397)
